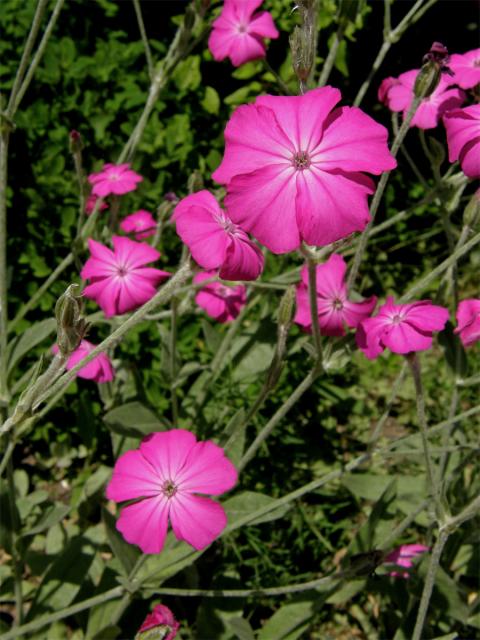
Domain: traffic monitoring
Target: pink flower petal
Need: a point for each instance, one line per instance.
(197, 520)
(133, 254)
(262, 24)
(207, 470)
(403, 338)
(168, 451)
(243, 260)
(134, 477)
(145, 523)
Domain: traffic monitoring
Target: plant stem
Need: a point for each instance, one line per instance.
(331, 57)
(443, 266)
(143, 33)
(16, 558)
(37, 57)
(279, 415)
(4, 393)
(393, 395)
(433, 484)
(284, 88)
(362, 245)
(312, 295)
(173, 358)
(428, 586)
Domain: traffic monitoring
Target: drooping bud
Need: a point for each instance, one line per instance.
(71, 327)
(434, 64)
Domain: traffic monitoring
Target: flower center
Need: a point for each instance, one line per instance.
(242, 28)
(477, 63)
(301, 160)
(113, 176)
(397, 318)
(122, 272)
(169, 489)
(337, 304)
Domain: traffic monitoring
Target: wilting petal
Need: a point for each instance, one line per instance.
(197, 520)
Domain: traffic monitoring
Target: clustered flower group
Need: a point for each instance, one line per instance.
(296, 169)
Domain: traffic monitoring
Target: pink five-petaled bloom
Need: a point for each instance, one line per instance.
(468, 321)
(466, 67)
(90, 205)
(214, 240)
(115, 179)
(402, 328)
(398, 96)
(99, 369)
(463, 138)
(141, 223)
(221, 302)
(238, 32)
(402, 556)
(292, 168)
(161, 619)
(334, 309)
(119, 281)
(164, 476)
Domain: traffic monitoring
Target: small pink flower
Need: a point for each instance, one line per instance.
(220, 301)
(399, 97)
(292, 168)
(119, 280)
(384, 88)
(164, 476)
(91, 202)
(334, 309)
(402, 556)
(162, 618)
(468, 321)
(99, 369)
(402, 328)
(466, 67)
(114, 178)
(238, 32)
(214, 240)
(141, 223)
(463, 138)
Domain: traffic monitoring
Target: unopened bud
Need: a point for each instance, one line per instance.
(427, 80)
(170, 197)
(71, 328)
(195, 182)
(285, 309)
(300, 61)
(348, 11)
(189, 19)
(471, 215)
(437, 151)
(76, 143)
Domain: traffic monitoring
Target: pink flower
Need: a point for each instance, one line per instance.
(220, 301)
(292, 166)
(119, 280)
(384, 88)
(114, 178)
(99, 369)
(402, 556)
(214, 240)
(466, 67)
(468, 321)
(163, 618)
(91, 202)
(334, 309)
(463, 138)
(141, 223)
(238, 33)
(399, 97)
(402, 328)
(164, 476)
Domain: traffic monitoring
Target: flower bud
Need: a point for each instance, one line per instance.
(471, 215)
(427, 80)
(348, 11)
(170, 197)
(158, 625)
(285, 309)
(195, 182)
(437, 151)
(76, 143)
(71, 328)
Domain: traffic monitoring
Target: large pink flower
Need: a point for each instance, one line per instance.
(214, 240)
(164, 476)
(162, 618)
(114, 178)
(99, 369)
(119, 280)
(463, 137)
(292, 168)
(466, 67)
(398, 96)
(468, 321)
(221, 302)
(403, 557)
(402, 328)
(238, 32)
(141, 223)
(334, 309)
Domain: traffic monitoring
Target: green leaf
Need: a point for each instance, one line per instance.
(175, 556)
(127, 553)
(454, 352)
(48, 519)
(289, 622)
(244, 503)
(29, 339)
(211, 101)
(133, 419)
(233, 440)
(212, 336)
(187, 74)
(241, 628)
